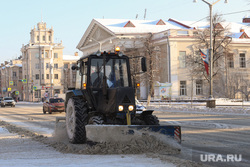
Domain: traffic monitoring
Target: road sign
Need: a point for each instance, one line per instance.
(11, 82)
(24, 80)
(9, 89)
(16, 92)
(35, 87)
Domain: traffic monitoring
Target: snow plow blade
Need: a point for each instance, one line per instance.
(119, 133)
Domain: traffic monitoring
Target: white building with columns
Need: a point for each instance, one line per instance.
(171, 41)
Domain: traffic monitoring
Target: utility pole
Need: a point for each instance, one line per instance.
(211, 46)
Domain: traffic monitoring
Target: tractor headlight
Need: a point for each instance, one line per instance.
(120, 108)
(131, 108)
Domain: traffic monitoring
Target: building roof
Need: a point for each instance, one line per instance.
(116, 27)
(123, 26)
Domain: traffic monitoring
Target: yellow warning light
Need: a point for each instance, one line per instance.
(138, 85)
(117, 49)
(84, 85)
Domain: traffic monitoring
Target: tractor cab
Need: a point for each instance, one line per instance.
(106, 79)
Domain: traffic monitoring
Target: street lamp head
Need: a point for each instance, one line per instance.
(226, 1)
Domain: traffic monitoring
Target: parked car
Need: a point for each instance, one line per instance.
(8, 101)
(1, 98)
(53, 105)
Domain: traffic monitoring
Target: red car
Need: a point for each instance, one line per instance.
(53, 105)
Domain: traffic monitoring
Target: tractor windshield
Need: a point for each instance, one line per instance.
(116, 73)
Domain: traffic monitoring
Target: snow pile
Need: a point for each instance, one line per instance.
(134, 144)
(241, 110)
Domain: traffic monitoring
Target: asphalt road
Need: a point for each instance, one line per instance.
(202, 134)
(219, 135)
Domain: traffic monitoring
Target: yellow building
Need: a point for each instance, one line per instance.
(43, 64)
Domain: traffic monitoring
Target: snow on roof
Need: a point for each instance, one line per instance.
(140, 26)
(70, 58)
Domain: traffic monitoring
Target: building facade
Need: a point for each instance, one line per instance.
(170, 42)
(11, 76)
(43, 65)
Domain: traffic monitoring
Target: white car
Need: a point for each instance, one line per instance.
(8, 101)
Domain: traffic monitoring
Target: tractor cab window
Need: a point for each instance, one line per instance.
(116, 73)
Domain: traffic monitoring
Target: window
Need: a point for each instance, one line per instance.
(37, 66)
(55, 55)
(230, 61)
(46, 55)
(14, 74)
(198, 87)
(56, 76)
(66, 65)
(242, 60)
(37, 38)
(38, 94)
(43, 38)
(37, 76)
(47, 65)
(74, 78)
(47, 76)
(49, 38)
(55, 66)
(183, 89)
(182, 59)
(42, 76)
(14, 83)
(37, 55)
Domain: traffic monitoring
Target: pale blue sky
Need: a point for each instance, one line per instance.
(70, 18)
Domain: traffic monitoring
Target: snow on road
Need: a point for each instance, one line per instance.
(18, 151)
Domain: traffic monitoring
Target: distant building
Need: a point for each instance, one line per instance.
(11, 75)
(43, 64)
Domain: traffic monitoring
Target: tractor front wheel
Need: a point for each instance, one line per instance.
(151, 120)
(96, 120)
(76, 119)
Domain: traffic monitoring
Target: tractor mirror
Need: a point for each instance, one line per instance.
(75, 67)
(143, 64)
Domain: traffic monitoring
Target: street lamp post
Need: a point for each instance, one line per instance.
(211, 46)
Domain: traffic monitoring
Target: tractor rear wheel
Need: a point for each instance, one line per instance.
(76, 119)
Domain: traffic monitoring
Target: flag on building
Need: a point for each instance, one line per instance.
(205, 59)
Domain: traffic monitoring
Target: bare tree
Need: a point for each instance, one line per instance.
(221, 41)
(143, 47)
